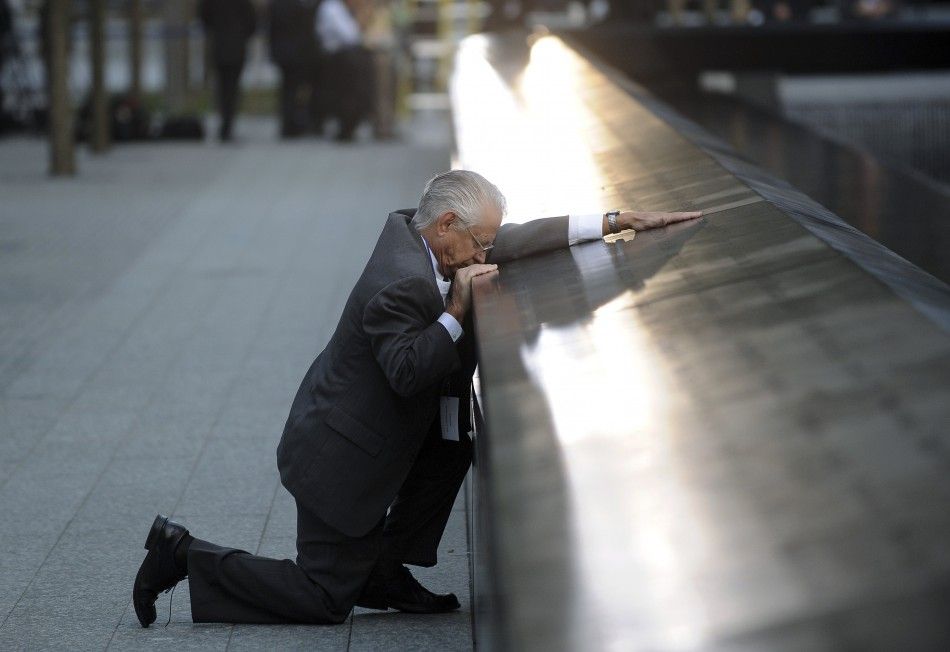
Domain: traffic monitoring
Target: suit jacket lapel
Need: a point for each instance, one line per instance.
(405, 215)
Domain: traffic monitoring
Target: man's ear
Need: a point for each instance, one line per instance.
(445, 222)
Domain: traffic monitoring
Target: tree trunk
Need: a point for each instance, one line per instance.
(176, 55)
(99, 138)
(135, 46)
(62, 153)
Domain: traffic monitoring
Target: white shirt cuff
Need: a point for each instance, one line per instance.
(451, 325)
(587, 226)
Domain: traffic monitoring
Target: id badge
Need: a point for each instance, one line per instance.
(449, 417)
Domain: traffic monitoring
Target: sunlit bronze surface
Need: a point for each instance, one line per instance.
(721, 435)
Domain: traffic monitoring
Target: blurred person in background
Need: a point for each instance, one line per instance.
(349, 71)
(871, 9)
(508, 14)
(738, 11)
(382, 42)
(319, 100)
(292, 45)
(229, 24)
(786, 11)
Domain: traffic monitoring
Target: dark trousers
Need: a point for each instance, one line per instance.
(350, 77)
(417, 518)
(233, 586)
(319, 105)
(292, 80)
(228, 85)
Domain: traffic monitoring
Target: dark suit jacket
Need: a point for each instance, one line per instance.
(230, 23)
(292, 36)
(368, 400)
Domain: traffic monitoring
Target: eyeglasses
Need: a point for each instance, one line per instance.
(484, 248)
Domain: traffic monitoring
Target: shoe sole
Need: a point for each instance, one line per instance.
(381, 606)
(414, 609)
(146, 613)
(405, 608)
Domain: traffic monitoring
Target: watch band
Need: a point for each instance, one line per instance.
(612, 221)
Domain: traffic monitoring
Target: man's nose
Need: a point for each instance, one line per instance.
(480, 257)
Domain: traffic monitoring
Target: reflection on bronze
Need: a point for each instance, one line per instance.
(622, 236)
(724, 435)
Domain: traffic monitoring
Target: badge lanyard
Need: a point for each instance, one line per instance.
(448, 404)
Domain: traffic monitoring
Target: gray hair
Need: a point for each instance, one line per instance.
(462, 192)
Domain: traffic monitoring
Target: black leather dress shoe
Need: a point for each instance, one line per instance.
(403, 592)
(158, 571)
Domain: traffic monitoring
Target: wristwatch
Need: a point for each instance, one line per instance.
(612, 221)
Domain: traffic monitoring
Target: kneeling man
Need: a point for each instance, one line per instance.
(364, 452)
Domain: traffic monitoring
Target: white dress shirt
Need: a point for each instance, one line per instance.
(580, 228)
(336, 26)
(584, 227)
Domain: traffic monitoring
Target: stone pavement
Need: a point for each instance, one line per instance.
(156, 315)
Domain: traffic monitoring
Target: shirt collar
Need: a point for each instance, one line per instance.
(435, 265)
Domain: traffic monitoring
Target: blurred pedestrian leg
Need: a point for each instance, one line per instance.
(381, 40)
(292, 46)
(228, 79)
(319, 102)
(349, 73)
(351, 82)
(384, 117)
(229, 24)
